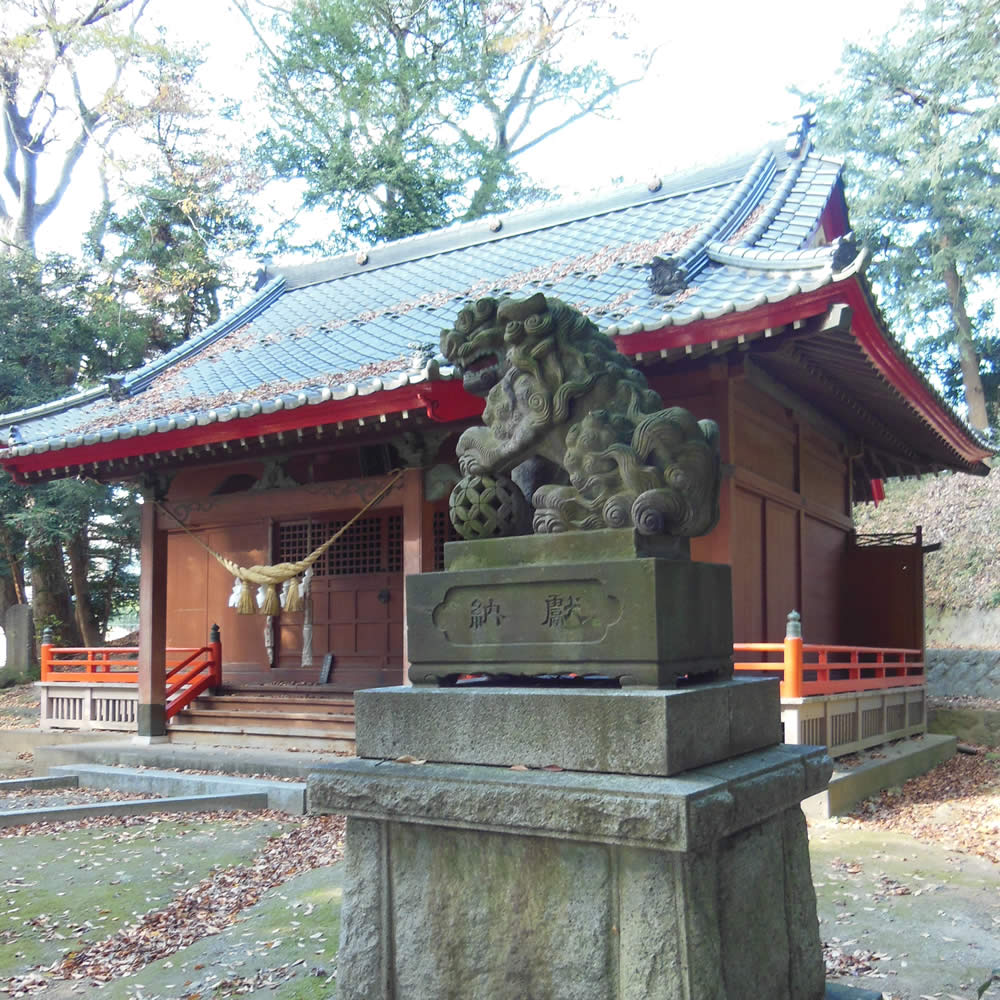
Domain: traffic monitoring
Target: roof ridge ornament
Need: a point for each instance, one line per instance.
(673, 274)
(798, 144)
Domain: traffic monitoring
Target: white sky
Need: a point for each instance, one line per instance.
(718, 87)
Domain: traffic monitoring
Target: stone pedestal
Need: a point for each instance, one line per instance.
(643, 843)
(474, 882)
(611, 603)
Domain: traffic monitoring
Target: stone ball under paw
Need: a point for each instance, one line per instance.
(484, 507)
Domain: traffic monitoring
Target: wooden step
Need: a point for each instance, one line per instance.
(262, 736)
(278, 703)
(341, 726)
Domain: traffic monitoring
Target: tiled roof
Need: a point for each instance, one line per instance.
(728, 239)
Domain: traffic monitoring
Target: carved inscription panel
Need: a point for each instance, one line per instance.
(512, 614)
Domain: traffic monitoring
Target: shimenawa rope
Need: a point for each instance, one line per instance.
(272, 577)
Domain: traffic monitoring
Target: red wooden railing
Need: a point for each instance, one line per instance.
(190, 671)
(807, 668)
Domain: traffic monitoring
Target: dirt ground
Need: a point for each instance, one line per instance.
(224, 905)
(908, 887)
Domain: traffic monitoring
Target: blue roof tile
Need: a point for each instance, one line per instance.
(318, 325)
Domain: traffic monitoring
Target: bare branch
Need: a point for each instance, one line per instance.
(585, 109)
(922, 100)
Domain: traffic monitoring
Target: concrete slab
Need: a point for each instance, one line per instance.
(883, 767)
(228, 760)
(287, 796)
(55, 781)
(138, 807)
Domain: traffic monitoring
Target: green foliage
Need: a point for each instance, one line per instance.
(403, 115)
(54, 336)
(75, 77)
(983, 987)
(917, 119)
(168, 245)
(51, 337)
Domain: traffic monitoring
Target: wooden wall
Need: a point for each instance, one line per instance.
(785, 505)
(791, 493)
(242, 527)
(784, 526)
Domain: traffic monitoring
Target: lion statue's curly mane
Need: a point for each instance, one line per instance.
(561, 397)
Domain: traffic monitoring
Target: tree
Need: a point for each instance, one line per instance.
(917, 119)
(51, 115)
(168, 247)
(50, 341)
(403, 115)
(75, 77)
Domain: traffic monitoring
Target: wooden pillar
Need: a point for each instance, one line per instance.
(416, 542)
(151, 710)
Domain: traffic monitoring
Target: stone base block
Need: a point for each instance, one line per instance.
(473, 883)
(645, 732)
(588, 603)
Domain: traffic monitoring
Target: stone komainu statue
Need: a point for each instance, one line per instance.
(570, 422)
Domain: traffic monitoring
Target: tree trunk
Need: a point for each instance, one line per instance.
(968, 356)
(50, 595)
(86, 620)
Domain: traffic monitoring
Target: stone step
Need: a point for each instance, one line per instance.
(340, 707)
(137, 807)
(273, 759)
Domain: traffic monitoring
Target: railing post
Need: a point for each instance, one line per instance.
(215, 644)
(46, 651)
(792, 687)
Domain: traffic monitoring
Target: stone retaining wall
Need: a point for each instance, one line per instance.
(971, 725)
(973, 672)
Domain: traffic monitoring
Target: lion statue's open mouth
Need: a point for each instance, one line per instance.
(558, 390)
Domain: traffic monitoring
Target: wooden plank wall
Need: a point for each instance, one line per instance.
(785, 506)
(791, 490)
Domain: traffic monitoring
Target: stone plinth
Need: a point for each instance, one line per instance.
(633, 731)
(609, 603)
(19, 630)
(478, 882)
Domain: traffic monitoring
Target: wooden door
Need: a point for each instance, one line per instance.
(357, 598)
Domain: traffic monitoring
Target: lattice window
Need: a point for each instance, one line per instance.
(394, 543)
(871, 722)
(294, 541)
(813, 732)
(359, 549)
(843, 729)
(444, 531)
(371, 545)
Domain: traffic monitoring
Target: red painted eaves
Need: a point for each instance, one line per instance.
(445, 400)
(773, 315)
(895, 369)
(866, 327)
